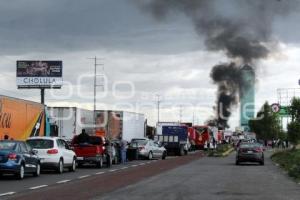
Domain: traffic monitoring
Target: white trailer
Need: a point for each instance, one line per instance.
(71, 120)
(117, 125)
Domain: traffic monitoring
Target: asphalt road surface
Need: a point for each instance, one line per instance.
(213, 179)
(187, 177)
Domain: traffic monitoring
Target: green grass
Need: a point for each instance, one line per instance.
(221, 148)
(289, 161)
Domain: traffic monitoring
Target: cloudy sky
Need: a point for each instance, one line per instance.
(142, 57)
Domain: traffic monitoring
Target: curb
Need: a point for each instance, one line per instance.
(226, 153)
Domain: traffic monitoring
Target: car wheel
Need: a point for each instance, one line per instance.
(60, 167)
(150, 156)
(99, 164)
(262, 162)
(164, 155)
(73, 167)
(37, 170)
(20, 174)
(237, 162)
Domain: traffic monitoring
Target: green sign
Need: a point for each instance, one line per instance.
(284, 111)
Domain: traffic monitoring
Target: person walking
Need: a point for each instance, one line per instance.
(123, 151)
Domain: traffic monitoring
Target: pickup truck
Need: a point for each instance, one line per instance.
(93, 151)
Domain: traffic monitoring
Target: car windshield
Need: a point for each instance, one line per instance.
(7, 145)
(138, 142)
(41, 143)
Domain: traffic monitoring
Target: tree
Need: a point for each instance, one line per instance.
(294, 125)
(266, 125)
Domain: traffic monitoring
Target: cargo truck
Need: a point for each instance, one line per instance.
(21, 119)
(120, 125)
(67, 122)
(174, 137)
(117, 125)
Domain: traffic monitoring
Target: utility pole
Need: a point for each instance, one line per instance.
(95, 85)
(193, 118)
(158, 102)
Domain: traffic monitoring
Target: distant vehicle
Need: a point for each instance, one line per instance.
(175, 138)
(148, 148)
(250, 152)
(17, 157)
(92, 151)
(202, 136)
(55, 153)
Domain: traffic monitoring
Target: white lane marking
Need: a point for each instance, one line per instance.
(112, 170)
(38, 187)
(124, 167)
(63, 181)
(7, 193)
(148, 162)
(133, 165)
(85, 176)
(142, 164)
(98, 173)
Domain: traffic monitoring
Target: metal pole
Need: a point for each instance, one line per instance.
(42, 95)
(158, 101)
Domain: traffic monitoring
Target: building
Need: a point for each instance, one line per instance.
(247, 97)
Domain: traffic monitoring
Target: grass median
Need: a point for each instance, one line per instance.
(289, 160)
(222, 150)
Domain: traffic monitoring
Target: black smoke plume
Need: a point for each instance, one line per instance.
(242, 29)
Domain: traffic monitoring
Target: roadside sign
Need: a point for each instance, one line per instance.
(275, 107)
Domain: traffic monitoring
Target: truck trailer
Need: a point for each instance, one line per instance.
(66, 122)
(174, 136)
(21, 119)
(117, 125)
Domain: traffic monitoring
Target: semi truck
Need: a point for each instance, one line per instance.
(119, 125)
(21, 119)
(67, 122)
(174, 137)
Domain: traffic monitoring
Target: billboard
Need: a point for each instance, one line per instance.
(39, 74)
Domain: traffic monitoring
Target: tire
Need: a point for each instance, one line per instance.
(181, 151)
(262, 162)
(99, 163)
(21, 173)
(60, 166)
(150, 156)
(237, 162)
(73, 167)
(38, 170)
(185, 152)
(164, 155)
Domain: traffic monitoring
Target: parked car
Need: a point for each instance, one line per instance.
(17, 157)
(250, 152)
(54, 153)
(148, 148)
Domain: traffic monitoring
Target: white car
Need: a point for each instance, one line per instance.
(54, 153)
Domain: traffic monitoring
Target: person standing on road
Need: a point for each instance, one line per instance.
(123, 151)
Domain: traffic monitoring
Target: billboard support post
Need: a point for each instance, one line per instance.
(42, 95)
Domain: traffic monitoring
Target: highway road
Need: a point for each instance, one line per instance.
(187, 177)
(214, 179)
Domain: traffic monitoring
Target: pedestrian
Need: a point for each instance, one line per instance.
(123, 151)
(83, 137)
